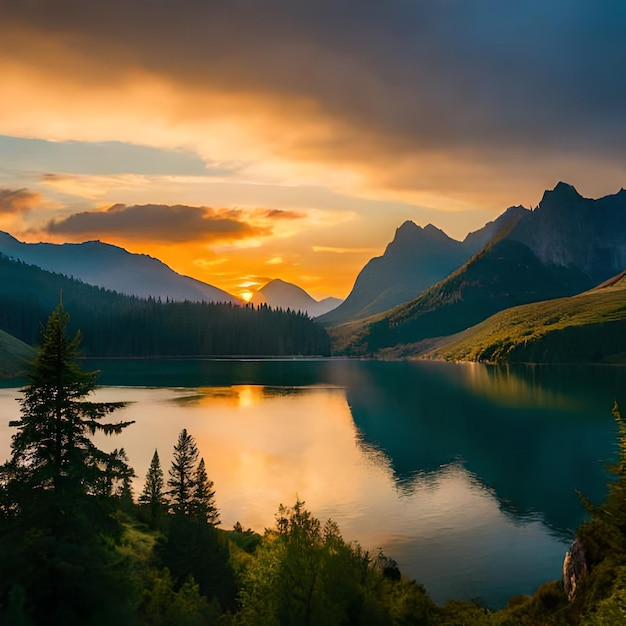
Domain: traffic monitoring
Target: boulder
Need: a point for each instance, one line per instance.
(574, 568)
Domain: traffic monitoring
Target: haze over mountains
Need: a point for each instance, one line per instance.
(283, 295)
(425, 285)
(415, 259)
(114, 268)
(111, 267)
(567, 245)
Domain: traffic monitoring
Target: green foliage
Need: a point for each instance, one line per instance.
(57, 493)
(182, 480)
(303, 572)
(501, 276)
(118, 325)
(152, 496)
(589, 328)
(190, 548)
(604, 536)
(601, 595)
(203, 497)
(611, 609)
(52, 448)
(163, 605)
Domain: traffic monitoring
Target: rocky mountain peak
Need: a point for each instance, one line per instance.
(561, 195)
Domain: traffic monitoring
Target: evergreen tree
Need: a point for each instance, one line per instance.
(52, 448)
(203, 498)
(182, 481)
(57, 531)
(605, 534)
(152, 496)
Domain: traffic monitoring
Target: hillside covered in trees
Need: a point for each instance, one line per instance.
(77, 546)
(586, 328)
(118, 325)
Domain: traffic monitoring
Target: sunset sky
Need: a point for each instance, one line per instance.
(240, 141)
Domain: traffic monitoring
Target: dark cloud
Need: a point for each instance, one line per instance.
(396, 77)
(157, 222)
(18, 200)
(283, 214)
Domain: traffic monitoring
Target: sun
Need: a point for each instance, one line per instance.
(246, 295)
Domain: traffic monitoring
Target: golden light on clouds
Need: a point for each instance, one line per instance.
(399, 128)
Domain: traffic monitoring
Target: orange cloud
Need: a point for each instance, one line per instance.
(436, 117)
(13, 201)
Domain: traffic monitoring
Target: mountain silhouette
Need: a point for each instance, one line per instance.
(567, 245)
(280, 294)
(113, 268)
(416, 259)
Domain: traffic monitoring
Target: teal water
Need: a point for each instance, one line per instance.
(464, 473)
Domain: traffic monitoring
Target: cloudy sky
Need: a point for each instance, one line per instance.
(243, 140)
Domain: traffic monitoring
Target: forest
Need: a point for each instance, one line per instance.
(77, 546)
(116, 325)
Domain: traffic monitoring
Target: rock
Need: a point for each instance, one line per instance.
(574, 568)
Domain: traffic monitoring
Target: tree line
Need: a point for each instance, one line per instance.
(76, 546)
(116, 325)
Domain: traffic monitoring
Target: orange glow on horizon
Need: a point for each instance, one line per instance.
(246, 295)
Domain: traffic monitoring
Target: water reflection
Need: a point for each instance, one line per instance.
(464, 474)
(533, 449)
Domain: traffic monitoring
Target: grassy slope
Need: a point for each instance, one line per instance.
(503, 275)
(15, 356)
(590, 327)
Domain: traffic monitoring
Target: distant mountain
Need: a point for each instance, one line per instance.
(279, 294)
(116, 325)
(113, 268)
(586, 328)
(561, 248)
(15, 356)
(416, 259)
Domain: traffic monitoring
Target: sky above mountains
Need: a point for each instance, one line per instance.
(240, 141)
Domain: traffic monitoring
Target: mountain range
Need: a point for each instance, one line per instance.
(426, 285)
(415, 259)
(118, 325)
(565, 246)
(279, 294)
(113, 268)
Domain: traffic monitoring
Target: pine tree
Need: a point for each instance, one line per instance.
(152, 495)
(57, 532)
(203, 497)
(52, 448)
(182, 479)
(605, 533)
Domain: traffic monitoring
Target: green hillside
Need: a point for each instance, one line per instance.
(590, 328)
(503, 275)
(15, 356)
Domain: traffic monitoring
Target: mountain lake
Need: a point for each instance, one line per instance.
(465, 474)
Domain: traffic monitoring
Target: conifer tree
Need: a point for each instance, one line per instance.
(152, 495)
(203, 498)
(56, 504)
(52, 448)
(605, 534)
(182, 479)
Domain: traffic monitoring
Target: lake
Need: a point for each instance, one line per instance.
(465, 474)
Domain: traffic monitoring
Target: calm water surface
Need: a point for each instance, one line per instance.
(464, 473)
